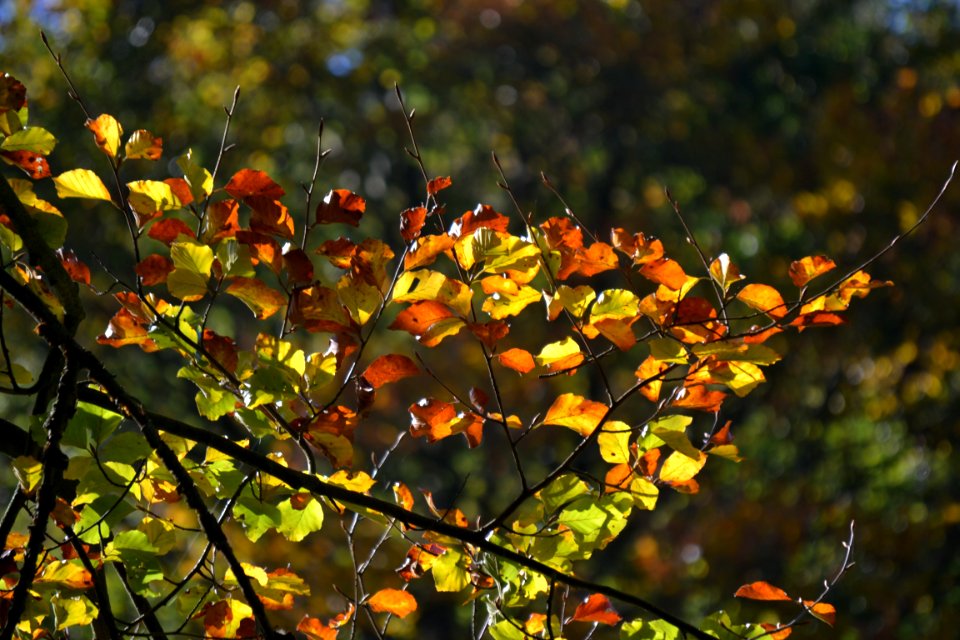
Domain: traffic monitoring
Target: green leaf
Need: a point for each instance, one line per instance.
(561, 491)
(257, 516)
(199, 179)
(672, 430)
(652, 630)
(29, 472)
(90, 425)
(127, 448)
(73, 612)
(726, 351)
(297, 523)
(81, 183)
(192, 262)
(450, 572)
(235, 258)
(668, 350)
(34, 139)
(506, 630)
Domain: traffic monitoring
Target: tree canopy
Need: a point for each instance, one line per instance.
(780, 132)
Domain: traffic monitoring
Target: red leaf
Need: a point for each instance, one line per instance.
(390, 368)
(270, 216)
(411, 222)
(318, 309)
(723, 435)
(420, 316)
(775, 632)
(341, 205)
(438, 184)
(489, 333)
(77, 271)
(263, 249)
(222, 349)
(399, 603)
(34, 164)
(517, 359)
(436, 419)
(762, 591)
(596, 608)
(154, 269)
(249, 182)
(123, 329)
(167, 230)
(180, 189)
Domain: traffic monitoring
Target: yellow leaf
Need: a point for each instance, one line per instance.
(614, 442)
(81, 183)
(679, 467)
(149, 196)
(577, 413)
(106, 131)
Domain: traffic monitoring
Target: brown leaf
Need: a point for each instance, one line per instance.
(222, 349)
(399, 603)
(390, 368)
(270, 216)
(489, 333)
(249, 182)
(298, 266)
(596, 608)
(762, 591)
(341, 205)
(13, 95)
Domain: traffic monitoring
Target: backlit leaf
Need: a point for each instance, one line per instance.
(411, 223)
(81, 183)
(577, 413)
(270, 216)
(143, 144)
(148, 196)
(33, 139)
(300, 520)
(262, 299)
(341, 205)
(517, 359)
(34, 164)
(73, 612)
(169, 229)
(763, 298)
(762, 591)
(199, 179)
(106, 132)
(596, 608)
(394, 601)
(822, 611)
(438, 184)
(724, 272)
(390, 368)
(250, 182)
(679, 467)
(806, 269)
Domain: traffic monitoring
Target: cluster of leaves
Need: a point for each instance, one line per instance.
(125, 486)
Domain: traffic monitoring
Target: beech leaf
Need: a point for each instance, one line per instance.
(394, 601)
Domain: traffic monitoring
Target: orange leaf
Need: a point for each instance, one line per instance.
(77, 271)
(700, 398)
(270, 216)
(154, 269)
(438, 184)
(249, 182)
(489, 333)
(123, 329)
(106, 133)
(222, 349)
(399, 603)
(426, 251)
(263, 249)
(420, 316)
(436, 419)
(822, 611)
(403, 495)
(762, 591)
(577, 413)
(180, 189)
(221, 221)
(341, 205)
(650, 370)
(299, 266)
(145, 145)
(517, 359)
(316, 630)
(763, 298)
(390, 368)
(596, 608)
(263, 300)
(665, 271)
(723, 435)
(775, 632)
(806, 269)
(483, 217)
(34, 164)
(411, 222)
(596, 259)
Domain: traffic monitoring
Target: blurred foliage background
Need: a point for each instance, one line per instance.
(783, 128)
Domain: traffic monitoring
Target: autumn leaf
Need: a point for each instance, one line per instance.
(263, 300)
(762, 591)
(775, 631)
(393, 601)
(806, 269)
(77, 270)
(483, 217)
(270, 216)
(143, 144)
(169, 229)
(576, 413)
(390, 368)
(34, 164)
(519, 360)
(341, 205)
(679, 467)
(822, 611)
(763, 298)
(81, 183)
(596, 608)
(436, 419)
(438, 184)
(249, 182)
(411, 223)
(106, 132)
(13, 94)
